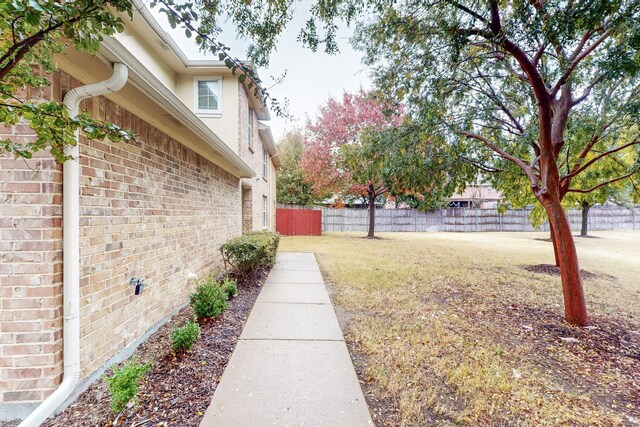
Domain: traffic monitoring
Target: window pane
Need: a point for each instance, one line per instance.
(203, 103)
(208, 94)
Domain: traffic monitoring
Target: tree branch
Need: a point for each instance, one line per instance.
(495, 25)
(611, 181)
(574, 63)
(16, 52)
(598, 157)
(583, 41)
(482, 167)
(539, 53)
(470, 12)
(587, 91)
(525, 168)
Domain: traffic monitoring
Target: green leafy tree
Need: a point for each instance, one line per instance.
(404, 163)
(510, 82)
(291, 185)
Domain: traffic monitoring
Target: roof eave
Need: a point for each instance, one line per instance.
(265, 133)
(150, 84)
(261, 110)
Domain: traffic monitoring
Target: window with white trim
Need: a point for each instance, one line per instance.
(265, 157)
(208, 99)
(265, 209)
(250, 128)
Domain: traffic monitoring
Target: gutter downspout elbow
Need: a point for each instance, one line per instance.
(71, 251)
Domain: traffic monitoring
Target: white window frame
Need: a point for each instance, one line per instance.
(265, 156)
(196, 108)
(265, 210)
(250, 115)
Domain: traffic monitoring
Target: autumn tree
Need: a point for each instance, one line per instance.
(342, 123)
(291, 185)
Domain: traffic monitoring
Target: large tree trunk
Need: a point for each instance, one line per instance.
(372, 211)
(585, 219)
(574, 304)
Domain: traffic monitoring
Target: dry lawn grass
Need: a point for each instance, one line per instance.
(450, 329)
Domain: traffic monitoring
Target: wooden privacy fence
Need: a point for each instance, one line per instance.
(600, 218)
(299, 222)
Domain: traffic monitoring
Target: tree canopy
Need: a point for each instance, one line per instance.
(541, 89)
(340, 123)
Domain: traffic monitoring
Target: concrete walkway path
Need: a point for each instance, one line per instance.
(291, 366)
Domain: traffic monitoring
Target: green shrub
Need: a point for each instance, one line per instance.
(230, 287)
(251, 250)
(182, 338)
(123, 385)
(209, 299)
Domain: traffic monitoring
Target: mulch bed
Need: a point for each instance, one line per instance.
(552, 270)
(178, 389)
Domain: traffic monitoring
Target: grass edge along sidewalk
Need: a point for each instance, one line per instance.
(291, 365)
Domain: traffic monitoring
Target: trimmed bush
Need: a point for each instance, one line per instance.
(182, 338)
(230, 287)
(251, 250)
(209, 299)
(123, 385)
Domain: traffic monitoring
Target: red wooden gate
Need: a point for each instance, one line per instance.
(299, 222)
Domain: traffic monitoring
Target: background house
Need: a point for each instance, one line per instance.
(201, 171)
(479, 196)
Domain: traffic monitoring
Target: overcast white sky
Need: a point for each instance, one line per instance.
(311, 77)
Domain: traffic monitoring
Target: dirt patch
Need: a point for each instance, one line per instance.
(178, 389)
(552, 270)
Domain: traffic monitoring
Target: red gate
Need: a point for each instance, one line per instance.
(299, 222)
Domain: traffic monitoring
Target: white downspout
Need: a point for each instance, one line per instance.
(71, 251)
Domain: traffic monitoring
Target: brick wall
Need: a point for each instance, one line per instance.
(30, 269)
(247, 210)
(253, 157)
(151, 209)
(30, 274)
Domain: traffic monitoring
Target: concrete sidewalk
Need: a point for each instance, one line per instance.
(291, 366)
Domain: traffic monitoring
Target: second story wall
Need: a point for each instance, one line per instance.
(254, 152)
(223, 120)
(139, 41)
